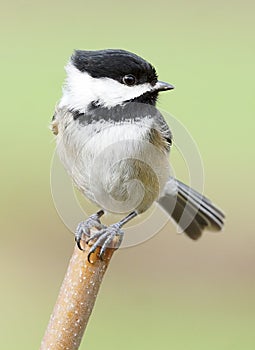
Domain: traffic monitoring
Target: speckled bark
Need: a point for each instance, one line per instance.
(75, 301)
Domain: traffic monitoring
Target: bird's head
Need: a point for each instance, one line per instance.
(108, 78)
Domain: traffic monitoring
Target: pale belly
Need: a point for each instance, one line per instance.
(116, 167)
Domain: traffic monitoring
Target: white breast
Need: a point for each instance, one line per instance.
(114, 165)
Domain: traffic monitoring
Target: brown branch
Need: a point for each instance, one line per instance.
(75, 301)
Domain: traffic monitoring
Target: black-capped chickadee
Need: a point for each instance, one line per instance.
(115, 145)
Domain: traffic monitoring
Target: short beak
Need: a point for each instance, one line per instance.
(162, 86)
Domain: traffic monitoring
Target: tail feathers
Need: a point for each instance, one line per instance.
(192, 211)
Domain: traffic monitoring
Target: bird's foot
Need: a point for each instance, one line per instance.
(84, 227)
(110, 236)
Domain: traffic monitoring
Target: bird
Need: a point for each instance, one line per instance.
(115, 145)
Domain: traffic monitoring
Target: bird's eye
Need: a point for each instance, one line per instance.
(129, 80)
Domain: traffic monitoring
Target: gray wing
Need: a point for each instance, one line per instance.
(161, 131)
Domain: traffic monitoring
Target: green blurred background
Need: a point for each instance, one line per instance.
(168, 293)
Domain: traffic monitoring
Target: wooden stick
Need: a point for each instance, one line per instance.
(76, 300)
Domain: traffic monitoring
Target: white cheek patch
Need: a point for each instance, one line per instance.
(81, 89)
(112, 92)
